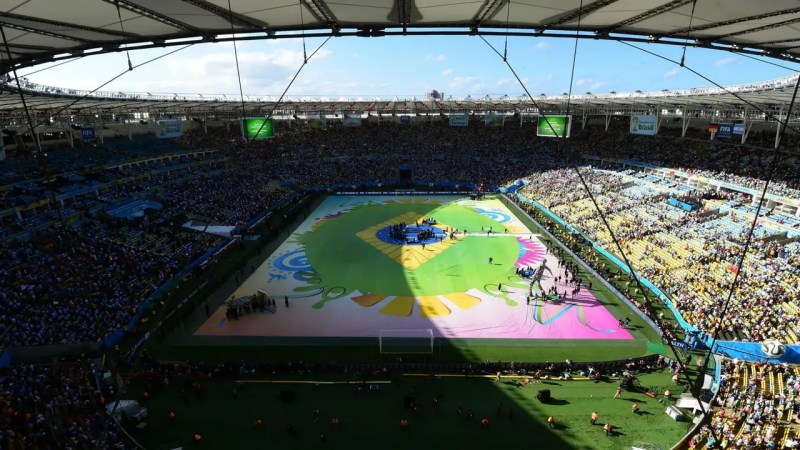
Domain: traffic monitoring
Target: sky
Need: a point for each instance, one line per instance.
(407, 67)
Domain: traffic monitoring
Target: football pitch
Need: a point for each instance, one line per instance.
(356, 276)
(371, 417)
(440, 271)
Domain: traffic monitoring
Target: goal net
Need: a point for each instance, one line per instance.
(406, 341)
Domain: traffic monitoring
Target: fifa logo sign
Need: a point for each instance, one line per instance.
(643, 124)
(168, 128)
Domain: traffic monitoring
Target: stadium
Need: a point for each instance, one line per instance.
(612, 270)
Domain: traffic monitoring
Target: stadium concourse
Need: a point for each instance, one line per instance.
(88, 234)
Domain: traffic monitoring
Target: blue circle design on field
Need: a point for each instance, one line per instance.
(412, 232)
(294, 261)
(496, 215)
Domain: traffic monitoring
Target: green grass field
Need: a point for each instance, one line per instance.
(371, 418)
(358, 266)
(355, 271)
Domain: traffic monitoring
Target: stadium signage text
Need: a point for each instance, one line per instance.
(459, 120)
(317, 120)
(88, 134)
(257, 128)
(494, 120)
(644, 124)
(553, 126)
(725, 131)
(351, 121)
(168, 128)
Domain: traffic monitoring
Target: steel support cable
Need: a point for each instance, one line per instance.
(688, 30)
(306, 58)
(51, 67)
(28, 117)
(741, 260)
(596, 205)
(122, 28)
(116, 77)
(288, 86)
(236, 57)
(35, 137)
(580, 176)
(767, 115)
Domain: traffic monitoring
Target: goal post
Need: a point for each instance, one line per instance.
(393, 342)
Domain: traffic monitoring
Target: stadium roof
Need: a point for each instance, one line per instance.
(767, 95)
(39, 31)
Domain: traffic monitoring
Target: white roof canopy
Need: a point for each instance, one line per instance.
(39, 31)
(769, 95)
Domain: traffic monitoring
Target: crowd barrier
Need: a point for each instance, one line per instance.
(747, 351)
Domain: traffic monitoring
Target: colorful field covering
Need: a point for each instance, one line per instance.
(343, 280)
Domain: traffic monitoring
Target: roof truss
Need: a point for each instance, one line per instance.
(162, 23)
(228, 15)
(674, 4)
(147, 12)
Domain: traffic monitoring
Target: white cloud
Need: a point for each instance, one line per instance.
(511, 82)
(261, 71)
(335, 89)
(591, 83)
(265, 69)
(447, 72)
(438, 58)
(672, 72)
(461, 82)
(724, 61)
(541, 45)
(467, 85)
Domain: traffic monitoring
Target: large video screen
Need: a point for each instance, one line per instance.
(553, 126)
(257, 128)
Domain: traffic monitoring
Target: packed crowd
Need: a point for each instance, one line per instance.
(755, 408)
(216, 178)
(79, 274)
(737, 164)
(83, 282)
(692, 256)
(55, 406)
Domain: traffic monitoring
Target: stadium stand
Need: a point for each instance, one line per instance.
(755, 408)
(56, 406)
(98, 211)
(218, 181)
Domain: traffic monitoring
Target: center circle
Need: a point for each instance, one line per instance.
(411, 234)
